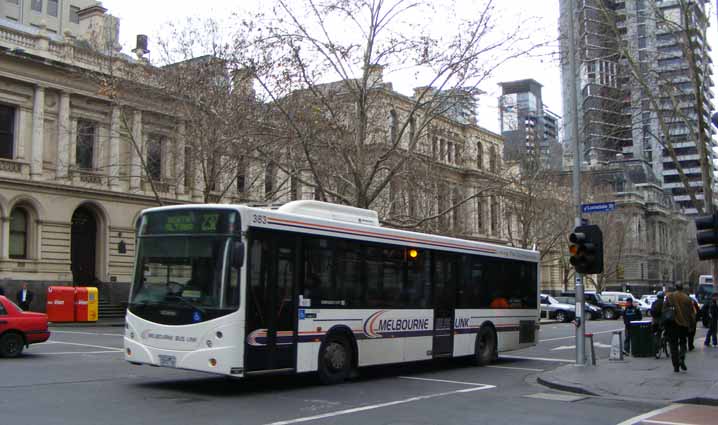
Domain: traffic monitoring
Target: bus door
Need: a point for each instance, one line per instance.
(445, 269)
(270, 343)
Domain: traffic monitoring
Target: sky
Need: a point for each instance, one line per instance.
(149, 17)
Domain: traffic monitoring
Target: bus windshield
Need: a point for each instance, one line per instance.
(181, 277)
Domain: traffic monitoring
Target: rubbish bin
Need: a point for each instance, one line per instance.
(641, 338)
(61, 304)
(86, 304)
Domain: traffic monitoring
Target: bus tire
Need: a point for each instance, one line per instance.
(485, 347)
(335, 360)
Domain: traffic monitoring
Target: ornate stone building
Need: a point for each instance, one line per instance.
(87, 143)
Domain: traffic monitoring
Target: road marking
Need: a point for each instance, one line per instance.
(83, 345)
(574, 336)
(83, 333)
(441, 380)
(571, 347)
(541, 359)
(637, 419)
(381, 405)
(516, 368)
(76, 352)
(650, 421)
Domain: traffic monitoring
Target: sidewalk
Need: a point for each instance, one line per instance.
(99, 323)
(644, 378)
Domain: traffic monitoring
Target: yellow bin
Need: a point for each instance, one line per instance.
(86, 304)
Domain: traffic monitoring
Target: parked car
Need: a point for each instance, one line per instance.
(552, 309)
(621, 298)
(648, 299)
(19, 329)
(609, 310)
(591, 311)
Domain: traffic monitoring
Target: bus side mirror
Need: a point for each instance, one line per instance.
(237, 254)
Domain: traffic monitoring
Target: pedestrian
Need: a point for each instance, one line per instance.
(24, 297)
(630, 314)
(679, 306)
(657, 311)
(692, 330)
(712, 312)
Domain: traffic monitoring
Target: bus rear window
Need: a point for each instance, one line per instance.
(198, 221)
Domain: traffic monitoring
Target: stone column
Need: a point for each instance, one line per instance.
(179, 171)
(38, 132)
(5, 240)
(136, 147)
(64, 128)
(115, 132)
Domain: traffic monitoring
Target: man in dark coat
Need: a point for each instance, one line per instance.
(712, 312)
(24, 297)
(679, 329)
(657, 311)
(630, 314)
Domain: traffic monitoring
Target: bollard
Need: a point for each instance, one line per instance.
(590, 351)
(616, 346)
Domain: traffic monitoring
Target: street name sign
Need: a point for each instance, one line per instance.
(600, 207)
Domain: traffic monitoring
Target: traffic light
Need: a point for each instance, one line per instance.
(587, 249)
(707, 236)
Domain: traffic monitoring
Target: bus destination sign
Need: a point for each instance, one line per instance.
(189, 221)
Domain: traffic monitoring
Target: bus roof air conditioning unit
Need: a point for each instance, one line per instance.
(331, 212)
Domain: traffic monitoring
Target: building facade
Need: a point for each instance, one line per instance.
(637, 87)
(81, 155)
(646, 238)
(530, 130)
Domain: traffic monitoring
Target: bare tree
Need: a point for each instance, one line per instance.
(348, 135)
(216, 100)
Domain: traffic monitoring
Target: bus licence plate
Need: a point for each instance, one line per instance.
(167, 361)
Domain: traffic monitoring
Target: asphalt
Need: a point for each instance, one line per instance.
(80, 377)
(643, 378)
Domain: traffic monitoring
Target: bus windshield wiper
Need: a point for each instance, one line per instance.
(186, 302)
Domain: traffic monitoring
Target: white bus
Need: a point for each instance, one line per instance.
(317, 287)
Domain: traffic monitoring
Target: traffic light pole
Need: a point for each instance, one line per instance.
(577, 154)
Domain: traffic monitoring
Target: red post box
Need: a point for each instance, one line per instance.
(81, 304)
(61, 304)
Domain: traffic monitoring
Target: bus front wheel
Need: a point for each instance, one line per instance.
(335, 360)
(485, 350)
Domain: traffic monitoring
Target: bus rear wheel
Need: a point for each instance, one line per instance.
(485, 350)
(335, 360)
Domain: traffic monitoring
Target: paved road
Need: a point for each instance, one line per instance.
(80, 377)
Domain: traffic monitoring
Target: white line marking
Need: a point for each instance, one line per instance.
(441, 380)
(76, 352)
(541, 359)
(83, 333)
(516, 368)
(637, 419)
(666, 422)
(83, 345)
(574, 336)
(378, 406)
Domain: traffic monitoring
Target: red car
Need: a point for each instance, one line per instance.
(18, 328)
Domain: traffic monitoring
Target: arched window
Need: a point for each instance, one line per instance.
(18, 233)
(493, 159)
(393, 125)
(479, 156)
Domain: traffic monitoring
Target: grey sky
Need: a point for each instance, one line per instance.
(148, 17)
